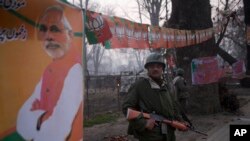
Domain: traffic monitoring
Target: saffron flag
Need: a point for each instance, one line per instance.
(170, 37)
(190, 37)
(164, 36)
(155, 37)
(126, 34)
(203, 36)
(138, 37)
(205, 70)
(97, 29)
(209, 33)
(118, 29)
(181, 40)
(130, 33)
(162, 39)
(197, 36)
(141, 34)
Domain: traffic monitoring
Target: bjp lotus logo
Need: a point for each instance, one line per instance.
(95, 24)
(97, 28)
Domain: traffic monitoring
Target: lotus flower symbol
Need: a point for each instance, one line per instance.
(96, 24)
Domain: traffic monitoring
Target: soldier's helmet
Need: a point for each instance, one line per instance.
(180, 71)
(155, 58)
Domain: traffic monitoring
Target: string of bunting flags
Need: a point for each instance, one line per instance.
(116, 32)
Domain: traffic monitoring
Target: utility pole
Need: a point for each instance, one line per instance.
(84, 56)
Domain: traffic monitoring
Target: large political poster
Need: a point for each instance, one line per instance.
(239, 69)
(205, 70)
(41, 91)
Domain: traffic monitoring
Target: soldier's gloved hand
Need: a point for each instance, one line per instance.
(150, 124)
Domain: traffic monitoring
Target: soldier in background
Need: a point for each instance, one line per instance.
(181, 89)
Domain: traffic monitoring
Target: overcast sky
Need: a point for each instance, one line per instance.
(128, 8)
(123, 8)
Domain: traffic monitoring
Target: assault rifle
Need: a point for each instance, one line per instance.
(133, 114)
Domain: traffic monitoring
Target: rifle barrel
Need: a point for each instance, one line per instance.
(199, 132)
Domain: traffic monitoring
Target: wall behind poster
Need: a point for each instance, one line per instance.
(22, 59)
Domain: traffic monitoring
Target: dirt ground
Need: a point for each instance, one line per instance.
(211, 124)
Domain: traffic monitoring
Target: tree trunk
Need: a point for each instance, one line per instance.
(195, 15)
(246, 81)
(153, 8)
(247, 21)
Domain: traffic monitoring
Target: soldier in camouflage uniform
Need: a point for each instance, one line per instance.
(150, 94)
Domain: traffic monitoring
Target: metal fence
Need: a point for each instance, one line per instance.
(102, 95)
(105, 93)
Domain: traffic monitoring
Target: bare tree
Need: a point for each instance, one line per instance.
(233, 40)
(235, 34)
(227, 12)
(140, 56)
(139, 10)
(153, 7)
(97, 55)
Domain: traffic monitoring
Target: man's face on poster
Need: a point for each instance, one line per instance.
(55, 36)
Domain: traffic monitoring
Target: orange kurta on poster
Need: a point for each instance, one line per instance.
(26, 57)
